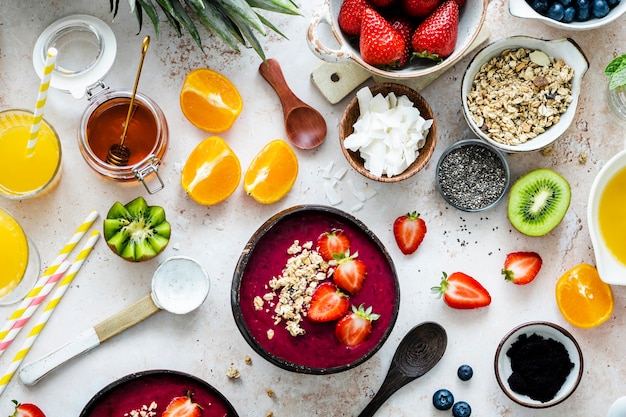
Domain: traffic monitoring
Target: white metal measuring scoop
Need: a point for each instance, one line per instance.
(179, 285)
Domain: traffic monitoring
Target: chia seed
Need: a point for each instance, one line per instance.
(471, 177)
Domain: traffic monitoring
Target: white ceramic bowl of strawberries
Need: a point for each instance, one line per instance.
(439, 25)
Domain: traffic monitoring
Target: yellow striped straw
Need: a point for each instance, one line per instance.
(40, 288)
(49, 309)
(51, 58)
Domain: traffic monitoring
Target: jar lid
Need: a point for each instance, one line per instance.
(86, 52)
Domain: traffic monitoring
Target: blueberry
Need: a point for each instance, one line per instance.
(443, 399)
(465, 372)
(599, 8)
(566, 3)
(613, 3)
(583, 10)
(461, 409)
(556, 11)
(569, 14)
(540, 6)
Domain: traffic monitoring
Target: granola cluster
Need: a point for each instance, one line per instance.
(290, 292)
(518, 94)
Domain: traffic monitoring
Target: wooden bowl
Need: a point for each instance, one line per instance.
(351, 114)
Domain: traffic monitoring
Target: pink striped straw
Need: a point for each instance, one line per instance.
(33, 303)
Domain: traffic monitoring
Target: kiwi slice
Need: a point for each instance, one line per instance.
(135, 231)
(538, 201)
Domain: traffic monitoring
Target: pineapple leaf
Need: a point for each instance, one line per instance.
(131, 3)
(168, 9)
(247, 33)
(241, 9)
(114, 6)
(150, 10)
(196, 4)
(184, 19)
(271, 26)
(278, 6)
(215, 21)
(139, 14)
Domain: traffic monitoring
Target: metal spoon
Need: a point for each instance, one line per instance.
(305, 126)
(418, 352)
(179, 285)
(119, 154)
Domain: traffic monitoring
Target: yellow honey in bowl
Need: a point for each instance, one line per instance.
(611, 215)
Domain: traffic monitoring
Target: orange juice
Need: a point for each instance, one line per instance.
(611, 215)
(13, 252)
(22, 175)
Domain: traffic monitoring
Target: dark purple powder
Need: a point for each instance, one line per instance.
(540, 367)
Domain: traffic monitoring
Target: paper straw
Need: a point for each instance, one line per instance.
(51, 58)
(40, 286)
(49, 309)
(9, 335)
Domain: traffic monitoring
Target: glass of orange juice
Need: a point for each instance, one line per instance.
(23, 174)
(20, 261)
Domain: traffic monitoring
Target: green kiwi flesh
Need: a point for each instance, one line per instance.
(135, 231)
(538, 202)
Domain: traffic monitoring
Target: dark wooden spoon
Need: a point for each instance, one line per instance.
(418, 352)
(305, 126)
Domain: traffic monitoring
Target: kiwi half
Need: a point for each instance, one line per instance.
(538, 202)
(135, 231)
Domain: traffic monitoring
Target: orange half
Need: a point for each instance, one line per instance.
(210, 101)
(212, 172)
(272, 172)
(583, 298)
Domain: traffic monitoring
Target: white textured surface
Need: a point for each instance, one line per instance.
(206, 342)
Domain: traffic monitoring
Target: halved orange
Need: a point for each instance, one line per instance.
(272, 172)
(212, 172)
(210, 101)
(583, 298)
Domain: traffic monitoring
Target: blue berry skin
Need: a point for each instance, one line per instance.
(443, 399)
(556, 11)
(569, 15)
(461, 409)
(599, 8)
(613, 3)
(583, 10)
(465, 372)
(540, 6)
(566, 3)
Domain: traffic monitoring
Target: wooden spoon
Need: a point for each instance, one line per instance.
(305, 126)
(418, 352)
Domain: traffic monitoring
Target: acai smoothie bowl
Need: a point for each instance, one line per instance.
(315, 291)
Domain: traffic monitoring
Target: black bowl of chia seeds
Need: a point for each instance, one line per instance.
(472, 175)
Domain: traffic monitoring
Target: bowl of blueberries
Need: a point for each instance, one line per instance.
(569, 14)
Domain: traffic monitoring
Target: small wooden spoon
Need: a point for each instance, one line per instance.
(305, 126)
(418, 352)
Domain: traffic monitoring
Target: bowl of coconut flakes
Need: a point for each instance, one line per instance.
(388, 132)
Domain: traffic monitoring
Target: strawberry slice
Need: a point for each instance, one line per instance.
(409, 231)
(331, 243)
(328, 303)
(461, 291)
(521, 267)
(182, 406)
(350, 273)
(27, 410)
(356, 326)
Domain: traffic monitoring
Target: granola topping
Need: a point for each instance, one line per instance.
(518, 94)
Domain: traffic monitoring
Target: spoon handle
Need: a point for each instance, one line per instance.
(273, 74)
(392, 383)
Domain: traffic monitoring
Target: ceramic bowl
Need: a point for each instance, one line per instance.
(318, 351)
(471, 19)
(519, 8)
(547, 330)
(352, 113)
(610, 269)
(565, 49)
(475, 192)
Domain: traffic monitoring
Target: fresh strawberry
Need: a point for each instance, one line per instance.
(350, 14)
(380, 44)
(420, 8)
(435, 38)
(182, 407)
(356, 326)
(462, 291)
(460, 3)
(521, 267)
(349, 273)
(27, 410)
(328, 303)
(331, 243)
(409, 231)
(383, 3)
(404, 26)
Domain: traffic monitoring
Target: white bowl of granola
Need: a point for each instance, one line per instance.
(521, 93)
